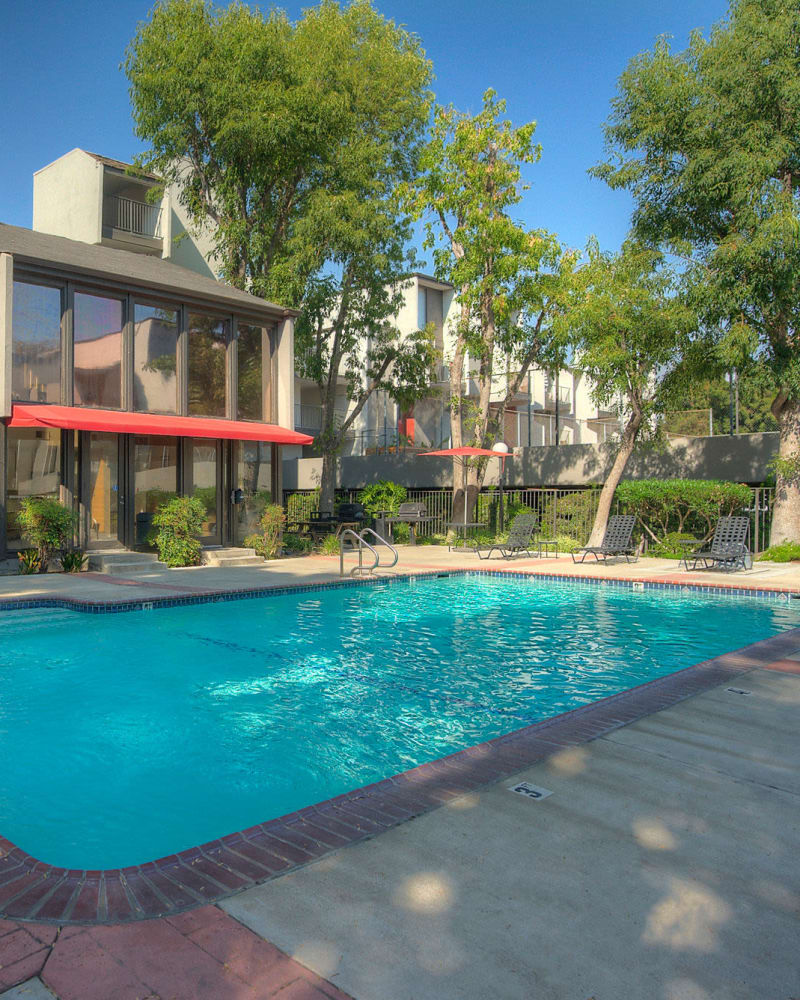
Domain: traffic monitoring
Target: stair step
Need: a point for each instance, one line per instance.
(124, 563)
(231, 557)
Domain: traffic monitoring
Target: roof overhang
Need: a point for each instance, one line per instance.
(82, 418)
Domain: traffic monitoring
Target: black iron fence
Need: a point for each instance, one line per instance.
(569, 512)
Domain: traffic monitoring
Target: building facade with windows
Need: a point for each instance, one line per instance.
(126, 379)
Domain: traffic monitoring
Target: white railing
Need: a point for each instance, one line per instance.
(132, 216)
(308, 416)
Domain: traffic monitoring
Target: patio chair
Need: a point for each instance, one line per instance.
(616, 541)
(519, 538)
(728, 549)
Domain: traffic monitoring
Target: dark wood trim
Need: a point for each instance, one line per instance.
(182, 362)
(3, 478)
(67, 345)
(127, 361)
(232, 369)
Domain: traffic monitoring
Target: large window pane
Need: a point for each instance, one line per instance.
(34, 470)
(155, 351)
(98, 351)
(36, 343)
(155, 479)
(204, 481)
(103, 500)
(208, 338)
(253, 476)
(249, 345)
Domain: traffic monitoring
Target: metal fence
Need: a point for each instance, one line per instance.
(569, 511)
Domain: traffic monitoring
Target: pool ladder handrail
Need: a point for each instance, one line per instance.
(362, 543)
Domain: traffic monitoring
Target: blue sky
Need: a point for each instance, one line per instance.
(555, 63)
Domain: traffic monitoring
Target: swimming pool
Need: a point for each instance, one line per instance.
(126, 737)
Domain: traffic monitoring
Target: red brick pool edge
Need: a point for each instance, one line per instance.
(31, 890)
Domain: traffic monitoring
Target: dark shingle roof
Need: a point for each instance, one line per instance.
(121, 165)
(137, 269)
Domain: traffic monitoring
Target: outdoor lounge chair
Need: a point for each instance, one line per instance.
(728, 549)
(519, 538)
(616, 542)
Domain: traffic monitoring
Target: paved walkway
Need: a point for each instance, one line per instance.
(320, 569)
(663, 865)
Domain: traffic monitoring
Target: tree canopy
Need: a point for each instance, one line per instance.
(708, 142)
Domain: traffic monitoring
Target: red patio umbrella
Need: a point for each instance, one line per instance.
(465, 451)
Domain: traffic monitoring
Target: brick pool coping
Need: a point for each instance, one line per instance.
(33, 890)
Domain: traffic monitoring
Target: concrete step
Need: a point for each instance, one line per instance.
(124, 563)
(224, 558)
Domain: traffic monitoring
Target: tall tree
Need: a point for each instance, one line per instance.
(511, 284)
(708, 142)
(288, 142)
(632, 337)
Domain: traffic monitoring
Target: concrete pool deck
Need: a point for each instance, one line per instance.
(663, 865)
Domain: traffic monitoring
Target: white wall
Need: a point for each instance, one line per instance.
(68, 197)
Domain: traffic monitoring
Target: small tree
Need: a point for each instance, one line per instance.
(512, 284)
(632, 338)
(48, 525)
(179, 522)
(707, 142)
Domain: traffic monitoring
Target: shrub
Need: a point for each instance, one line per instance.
(783, 553)
(670, 506)
(29, 561)
(74, 561)
(296, 543)
(401, 533)
(330, 546)
(178, 524)
(382, 496)
(569, 515)
(670, 545)
(269, 542)
(48, 524)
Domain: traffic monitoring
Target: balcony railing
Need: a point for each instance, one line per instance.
(132, 216)
(308, 416)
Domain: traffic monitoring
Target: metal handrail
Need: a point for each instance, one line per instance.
(362, 544)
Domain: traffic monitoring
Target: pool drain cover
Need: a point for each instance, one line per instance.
(737, 691)
(529, 790)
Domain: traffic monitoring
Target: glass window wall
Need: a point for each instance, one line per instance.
(98, 326)
(155, 480)
(36, 343)
(249, 345)
(253, 476)
(208, 338)
(34, 470)
(155, 352)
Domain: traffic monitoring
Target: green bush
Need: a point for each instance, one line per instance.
(268, 543)
(382, 496)
(74, 561)
(178, 524)
(293, 542)
(670, 545)
(47, 524)
(329, 546)
(783, 553)
(675, 506)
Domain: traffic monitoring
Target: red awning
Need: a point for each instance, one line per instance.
(81, 418)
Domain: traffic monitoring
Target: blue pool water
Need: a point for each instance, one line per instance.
(126, 737)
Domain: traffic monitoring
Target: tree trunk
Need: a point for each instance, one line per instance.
(327, 494)
(626, 447)
(786, 510)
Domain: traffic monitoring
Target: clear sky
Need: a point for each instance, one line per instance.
(555, 62)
